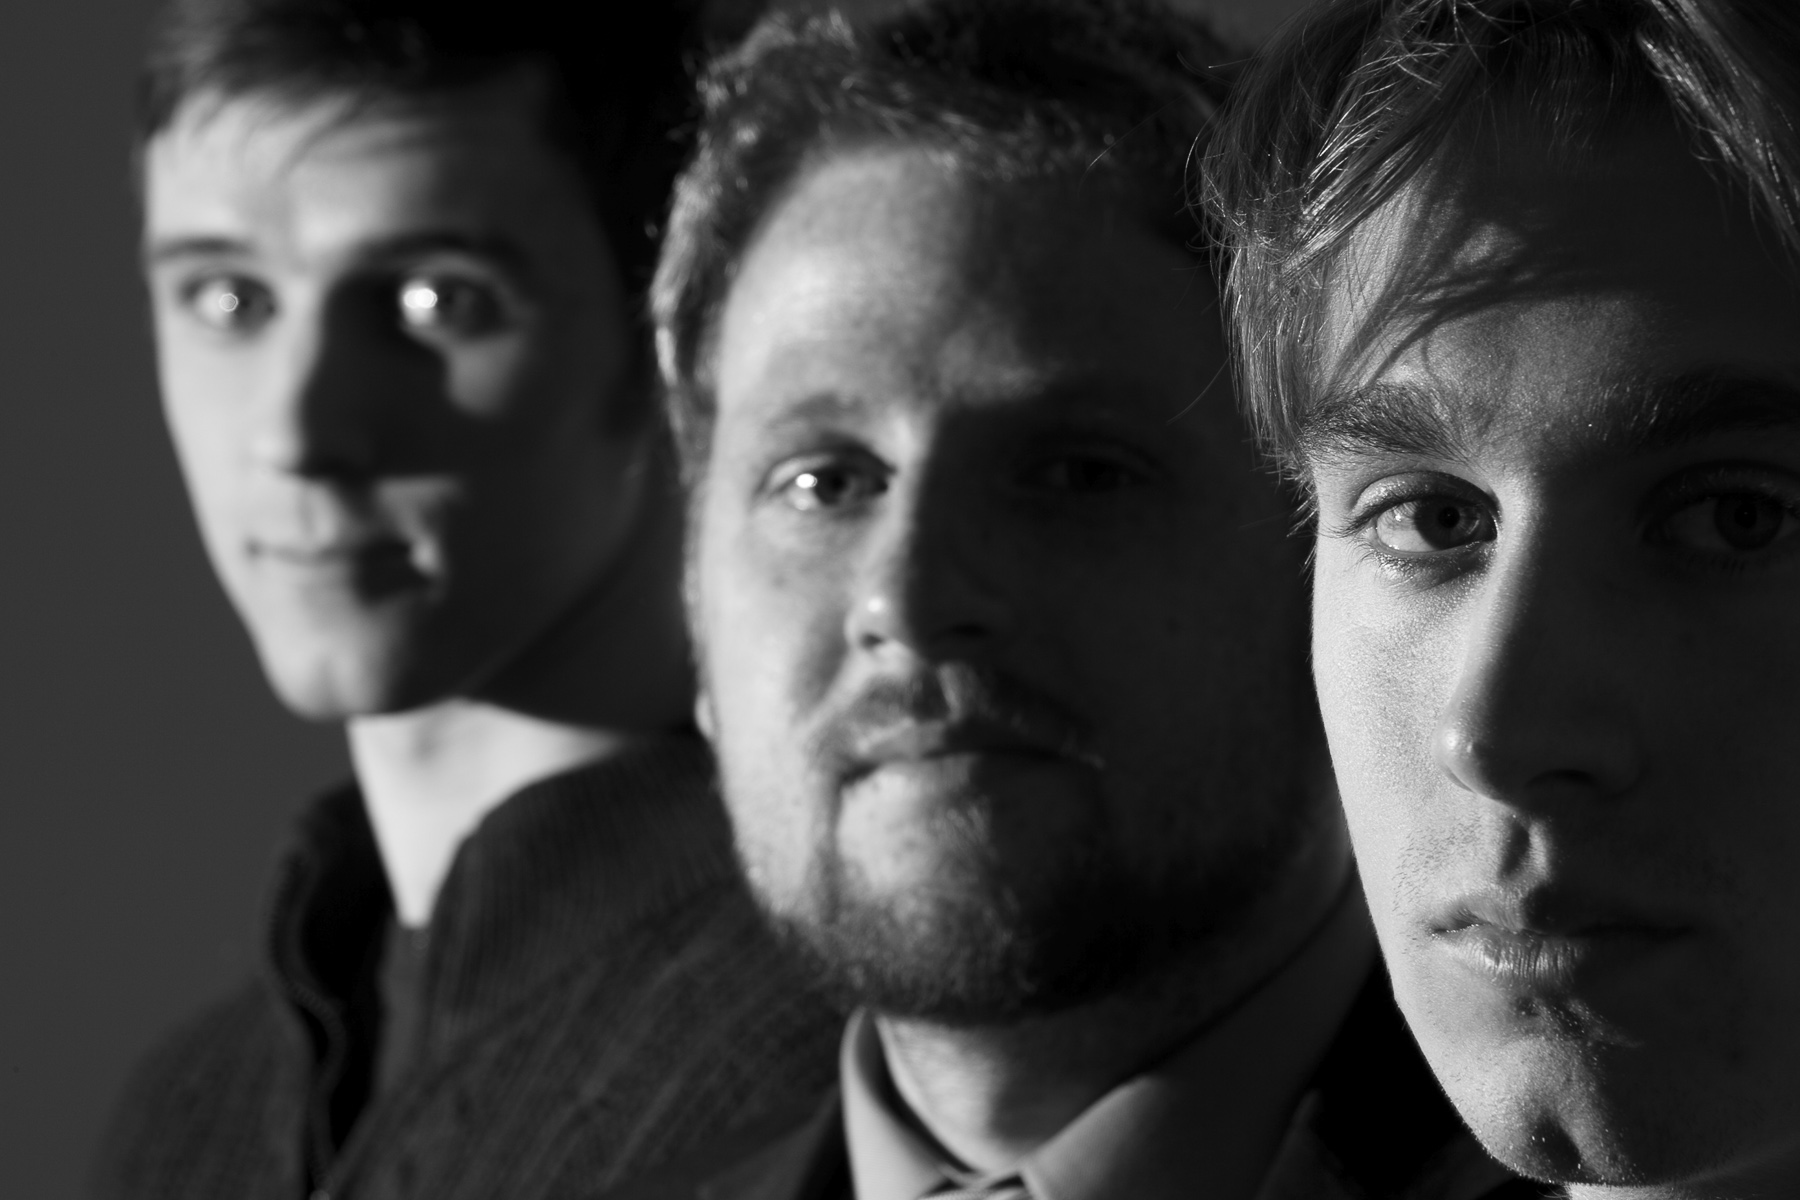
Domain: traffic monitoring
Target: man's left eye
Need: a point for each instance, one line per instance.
(1084, 474)
(448, 305)
(1729, 523)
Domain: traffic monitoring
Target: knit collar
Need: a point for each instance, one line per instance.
(539, 887)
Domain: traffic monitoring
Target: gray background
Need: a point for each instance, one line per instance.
(145, 775)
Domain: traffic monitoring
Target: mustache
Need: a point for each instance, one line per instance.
(954, 705)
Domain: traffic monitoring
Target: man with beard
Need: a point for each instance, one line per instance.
(392, 249)
(1002, 634)
(1517, 285)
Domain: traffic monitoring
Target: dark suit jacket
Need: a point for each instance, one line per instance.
(1373, 1125)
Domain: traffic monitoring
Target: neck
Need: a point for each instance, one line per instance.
(994, 1094)
(991, 1095)
(614, 666)
(428, 777)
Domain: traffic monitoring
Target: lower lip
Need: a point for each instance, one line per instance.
(1557, 962)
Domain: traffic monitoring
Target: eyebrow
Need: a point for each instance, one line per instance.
(1698, 404)
(174, 249)
(815, 409)
(495, 247)
(1659, 414)
(1381, 418)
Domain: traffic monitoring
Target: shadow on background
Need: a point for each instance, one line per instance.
(145, 774)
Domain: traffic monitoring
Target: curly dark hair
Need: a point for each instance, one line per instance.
(1110, 92)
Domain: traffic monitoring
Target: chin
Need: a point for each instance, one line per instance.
(341, 679)
(1567, 1109)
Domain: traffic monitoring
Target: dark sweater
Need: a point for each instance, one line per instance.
(597, 995)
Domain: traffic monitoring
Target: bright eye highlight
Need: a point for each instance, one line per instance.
(1430, 525)
(229, 303)
(461, 307)
(1730, 523)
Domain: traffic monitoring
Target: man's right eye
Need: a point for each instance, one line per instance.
(1430, 525)
(229, 303)
(830, 485)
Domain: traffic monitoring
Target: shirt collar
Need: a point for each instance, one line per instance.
(1218, 1109)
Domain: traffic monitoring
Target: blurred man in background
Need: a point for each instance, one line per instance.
(394, 252)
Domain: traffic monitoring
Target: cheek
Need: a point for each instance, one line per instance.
(211, 446)
(770, 641)
(1380, 681)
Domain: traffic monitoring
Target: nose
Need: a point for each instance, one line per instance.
(322, 399)
(1541, 712)
(933, 582)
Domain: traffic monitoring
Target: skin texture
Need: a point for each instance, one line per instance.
(1557, 572)
(1002, 636)
(396, 363)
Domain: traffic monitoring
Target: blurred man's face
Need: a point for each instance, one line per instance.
(1002, 634)
(395, 358)
(1558, 650)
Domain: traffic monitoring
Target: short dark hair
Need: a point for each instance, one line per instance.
(1363, 99)
(1108, 91)
(619, 84)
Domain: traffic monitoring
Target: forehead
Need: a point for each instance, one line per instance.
(892, 272)
(1525, 295)
(305, 176)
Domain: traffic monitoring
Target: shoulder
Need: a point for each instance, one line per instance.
(709, 979)
(237, 1036)
(796, 1155)
(209, 1075)
(693, 1028)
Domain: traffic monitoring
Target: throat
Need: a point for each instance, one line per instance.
(991, 1095)
(428, 778)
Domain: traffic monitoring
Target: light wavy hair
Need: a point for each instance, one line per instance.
(1360, 100)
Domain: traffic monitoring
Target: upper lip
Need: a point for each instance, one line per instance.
(1552, 912)
(911, 741)
(335, 544)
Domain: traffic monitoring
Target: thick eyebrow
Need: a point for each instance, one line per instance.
(1665, 413)
(1630, 417)
(825, 408)
(175, 249)
(504, 251)
(1381, 418)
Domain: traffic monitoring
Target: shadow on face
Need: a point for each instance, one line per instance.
(1001, 626)
(1558, 562)
(395, 358)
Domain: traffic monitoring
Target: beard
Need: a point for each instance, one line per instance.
(1128, 888)
(988, 942)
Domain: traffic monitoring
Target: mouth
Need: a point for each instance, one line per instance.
(362, 566)
(926, 741)
(327, 555)
(1544, 942)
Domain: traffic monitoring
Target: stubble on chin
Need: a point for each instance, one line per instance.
(990, 942)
